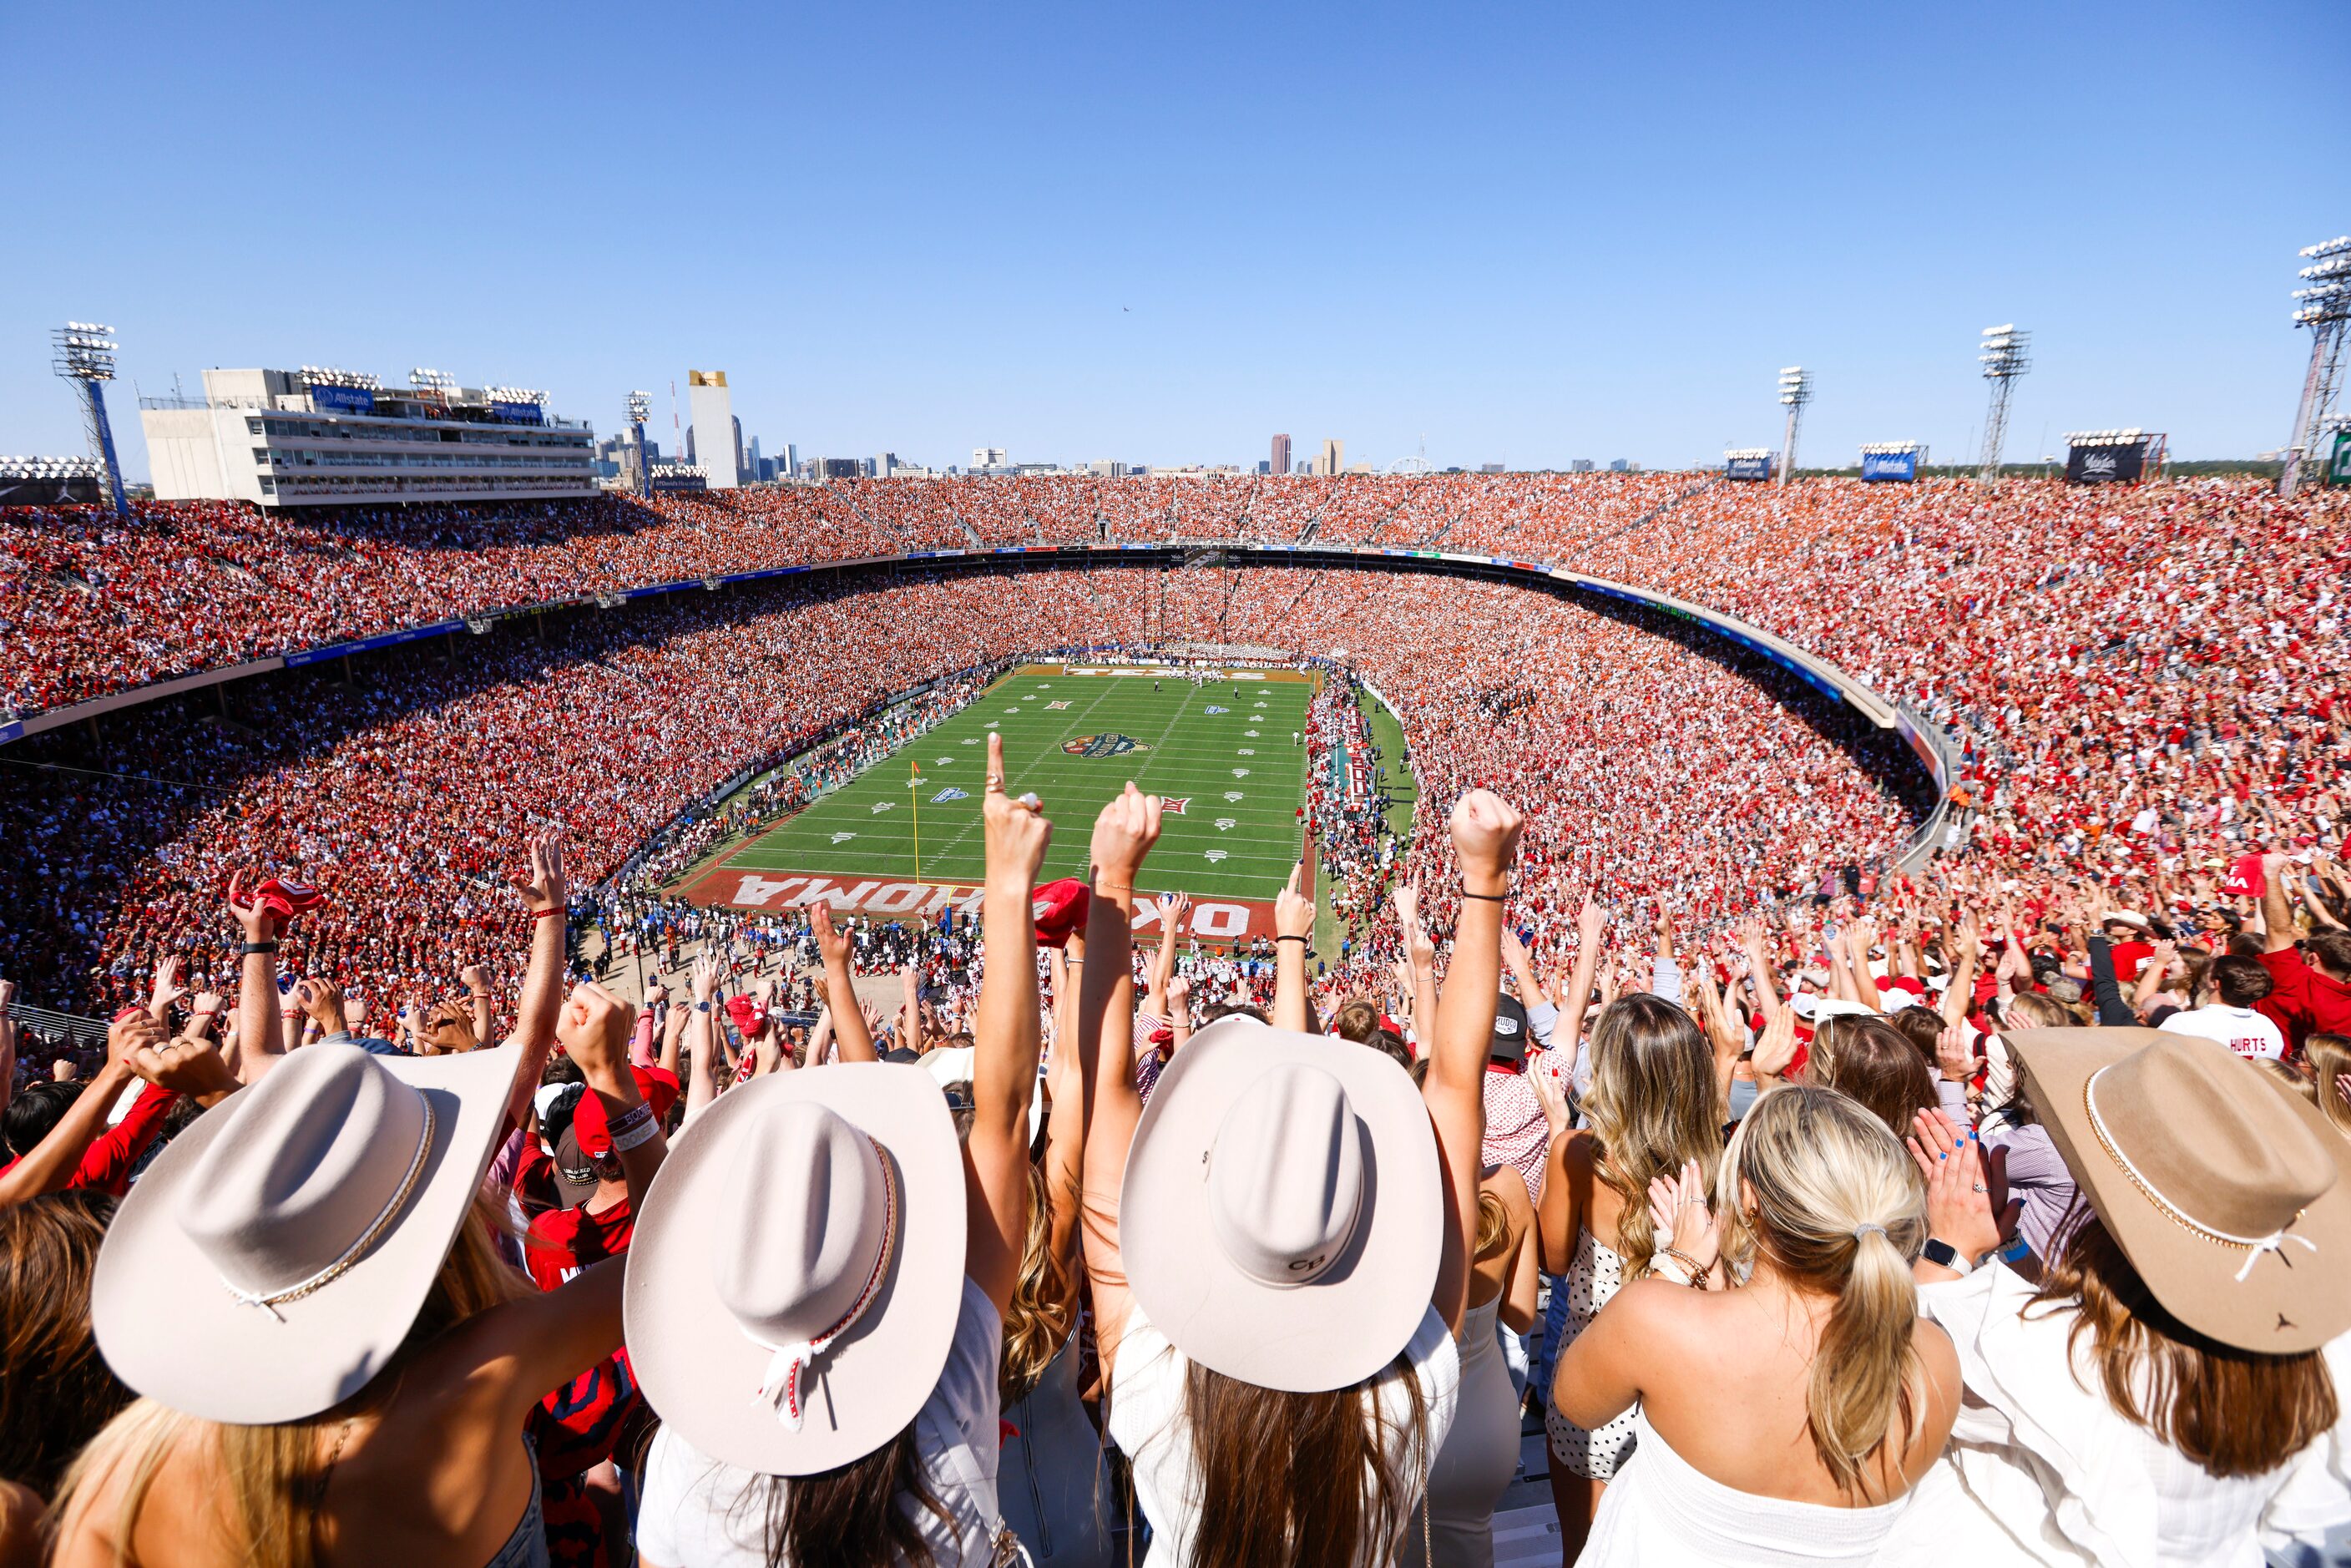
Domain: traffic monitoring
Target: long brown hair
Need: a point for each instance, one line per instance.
(1875, 1062)
(276, 1481)
(56, 1391)
(849, 1516)
(2233, 1412)
(1273, 1470)
(1652, 1106)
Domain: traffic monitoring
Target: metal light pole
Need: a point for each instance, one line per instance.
(640, 406)
(1795, 391)
(85, 356)
(2005, 354)
(2326, 310)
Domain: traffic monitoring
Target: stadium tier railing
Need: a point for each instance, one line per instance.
(1926, 739)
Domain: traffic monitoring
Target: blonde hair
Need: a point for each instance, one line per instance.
(1039, 1316)
(1820, 1188)
(2329, 1056)
(274, 1480)
(2037, 1012)
(1652, 1106)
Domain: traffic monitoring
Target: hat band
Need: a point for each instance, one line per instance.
(2274, 1242)
(789, 1364)
(269, 1300)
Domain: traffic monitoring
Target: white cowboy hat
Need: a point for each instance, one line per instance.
(273, 1258)
(797, 1272)
(1282, 1215)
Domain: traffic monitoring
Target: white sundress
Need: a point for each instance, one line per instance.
(1596, 1274)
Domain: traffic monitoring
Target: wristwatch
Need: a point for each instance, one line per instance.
(1943, 1255)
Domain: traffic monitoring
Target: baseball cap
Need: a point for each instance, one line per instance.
(575, 1176)
(1511, 1029)
(1059, 907)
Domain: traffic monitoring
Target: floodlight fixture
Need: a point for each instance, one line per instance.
(85, 356)
(426, 380)
(2323, 304)
(2004, 352)
(1795, 391)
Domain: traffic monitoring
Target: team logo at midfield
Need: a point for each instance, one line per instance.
(1103, 746)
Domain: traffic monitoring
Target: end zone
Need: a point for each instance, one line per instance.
(1211, 921)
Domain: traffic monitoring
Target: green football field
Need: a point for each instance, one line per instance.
(1224, 749)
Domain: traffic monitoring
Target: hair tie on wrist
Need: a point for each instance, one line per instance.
(1488, 897)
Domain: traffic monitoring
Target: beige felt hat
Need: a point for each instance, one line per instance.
(2230, 1195)
(270, 1261)
(798, 1270)
(1282, 1214)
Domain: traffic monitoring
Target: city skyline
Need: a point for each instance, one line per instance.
(1537, 248)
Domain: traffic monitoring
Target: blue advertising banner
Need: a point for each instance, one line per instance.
(1884, 467)
(1747, 468)
(343, 399)
(518, 414)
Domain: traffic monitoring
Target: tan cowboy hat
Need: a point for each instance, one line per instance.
(796, 1274)
(2230, 1196)
(275, 1255)
(1282, 1215)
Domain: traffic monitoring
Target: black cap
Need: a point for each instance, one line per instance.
(575, 1174)
(1511, 1029)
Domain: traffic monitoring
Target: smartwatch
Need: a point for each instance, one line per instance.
(1943, 1255)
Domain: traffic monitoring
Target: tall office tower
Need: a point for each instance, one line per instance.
(1281, 454)
(1333, 458)
(718, 439)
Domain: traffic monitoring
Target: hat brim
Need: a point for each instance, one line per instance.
(2293, 1301)
(701, 1373)
(1349, 1321)
(154, 1295)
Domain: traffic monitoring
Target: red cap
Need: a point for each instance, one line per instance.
(657, 1085)
(1059, 908)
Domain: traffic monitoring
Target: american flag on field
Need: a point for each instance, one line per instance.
(1175, 803)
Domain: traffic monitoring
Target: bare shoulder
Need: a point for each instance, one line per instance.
(1940, 1359)
(1509, 1189)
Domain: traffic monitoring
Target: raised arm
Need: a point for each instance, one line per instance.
(702, 1042)
(1485, 840)
(1293, 927)
(476, 978)
(1173, 907)
(1567, 1038)
(51, 1163)
(1123, 834)
(258, 1039)
(543, 891)
(1004, 1068)
(1959, 996)
(2277, 909)
(1421, 954)
(850, 1031)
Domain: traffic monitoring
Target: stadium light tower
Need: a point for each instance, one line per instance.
(2325, 308)
(2005, 354)
(1795, 391)
(640, 405)
(85, 356)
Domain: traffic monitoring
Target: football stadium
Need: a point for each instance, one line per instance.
(598, 992)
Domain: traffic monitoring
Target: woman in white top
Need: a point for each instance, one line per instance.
(1479, 1457)
(2169, 1394)
(1653, 1110)
(1277, 1287)
(817, 1282)
(1781, 1421)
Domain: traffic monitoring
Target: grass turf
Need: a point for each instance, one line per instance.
(1226, 747)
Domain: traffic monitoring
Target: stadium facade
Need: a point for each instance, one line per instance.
(312, 438)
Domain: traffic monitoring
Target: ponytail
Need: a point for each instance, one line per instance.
(1864, 1371)
(1837, 1207)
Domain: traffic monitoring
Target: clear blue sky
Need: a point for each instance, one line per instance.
(1527, 233)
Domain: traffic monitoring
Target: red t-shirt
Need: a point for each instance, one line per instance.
(565, 1240)
(2128, 956)
(2306, 1002)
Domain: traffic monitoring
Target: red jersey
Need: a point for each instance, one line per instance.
(565, 1240)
